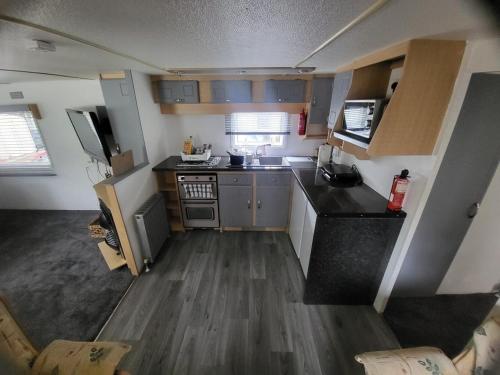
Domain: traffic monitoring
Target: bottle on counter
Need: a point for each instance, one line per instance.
(188, 146)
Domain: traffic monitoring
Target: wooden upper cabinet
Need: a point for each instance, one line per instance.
(178, 92)
(320, 101)
(284, 91)
(231, 91)
(411, 122)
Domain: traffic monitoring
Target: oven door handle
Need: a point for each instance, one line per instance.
(199, 201)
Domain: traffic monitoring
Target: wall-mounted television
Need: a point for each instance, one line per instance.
(94, 132)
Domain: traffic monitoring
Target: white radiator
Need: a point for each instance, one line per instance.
(152, 225)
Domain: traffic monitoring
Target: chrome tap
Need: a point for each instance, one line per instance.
(262, 149)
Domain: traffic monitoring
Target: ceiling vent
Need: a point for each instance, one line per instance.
(41, 46)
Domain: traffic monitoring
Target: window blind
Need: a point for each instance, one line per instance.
(258, 123)
(22, 149)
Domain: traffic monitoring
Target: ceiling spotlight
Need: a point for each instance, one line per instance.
(40, 46)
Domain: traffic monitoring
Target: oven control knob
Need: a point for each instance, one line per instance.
(210, 178)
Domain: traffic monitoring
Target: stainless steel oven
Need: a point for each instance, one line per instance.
(199, 204)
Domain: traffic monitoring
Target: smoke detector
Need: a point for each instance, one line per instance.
(41, 46)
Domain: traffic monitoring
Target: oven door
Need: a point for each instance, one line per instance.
(200, 213)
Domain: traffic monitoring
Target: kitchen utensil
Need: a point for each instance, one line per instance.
(236, 159)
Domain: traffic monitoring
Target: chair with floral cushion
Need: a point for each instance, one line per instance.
(481, 356)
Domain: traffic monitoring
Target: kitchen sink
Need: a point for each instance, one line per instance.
(270, 160)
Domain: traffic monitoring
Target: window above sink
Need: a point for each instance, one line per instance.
(251, 129)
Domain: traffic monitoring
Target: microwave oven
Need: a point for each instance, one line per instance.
(361, 118)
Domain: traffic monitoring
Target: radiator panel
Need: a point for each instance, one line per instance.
(152, 224)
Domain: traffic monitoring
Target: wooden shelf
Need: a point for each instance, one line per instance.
(173, 205)
(167, 183)
(412, 119)
(113, 260)
(168, 187)
(224, 108)
(176, 224)
(314, 136)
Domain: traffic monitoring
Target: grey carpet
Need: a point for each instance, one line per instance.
(444, 321)
(54, 277)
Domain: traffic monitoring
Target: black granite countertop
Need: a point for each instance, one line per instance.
(328, 201)
(170, 164)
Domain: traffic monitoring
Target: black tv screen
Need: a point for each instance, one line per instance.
(92, 134)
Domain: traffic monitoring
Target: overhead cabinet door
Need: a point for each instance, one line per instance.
(320, 100)
(341, 86)
(284, 91)
(178, 92)
(228, 91)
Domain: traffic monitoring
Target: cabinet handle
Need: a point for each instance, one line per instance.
(313, 100)
(228, 100)
(235, 180)
(473, 210)
(280, 100)
(259, 204)
(178, 100)
(249, 203)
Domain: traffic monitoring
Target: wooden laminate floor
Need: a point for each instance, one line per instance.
(231, 303)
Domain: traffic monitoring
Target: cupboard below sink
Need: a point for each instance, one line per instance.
(254, 199)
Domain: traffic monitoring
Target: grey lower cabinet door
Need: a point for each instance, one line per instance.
(320, 101)
(284, 91)
(231, 91)
(178, 92)
(271, 207)
(235, 205)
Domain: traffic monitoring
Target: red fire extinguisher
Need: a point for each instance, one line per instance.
(302, 123)
(398, 191)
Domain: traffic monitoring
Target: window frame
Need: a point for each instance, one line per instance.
(285, 129)
(19, 171)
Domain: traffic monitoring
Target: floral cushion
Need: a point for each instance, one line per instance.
(482, 355)
(16, 351)
(414, 361)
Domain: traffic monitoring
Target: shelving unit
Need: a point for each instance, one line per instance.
(167, 184)
(412, 119)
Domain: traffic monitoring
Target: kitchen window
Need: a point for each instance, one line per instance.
(251, 129)
(22, 149)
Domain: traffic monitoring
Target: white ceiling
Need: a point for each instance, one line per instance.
(218, 33)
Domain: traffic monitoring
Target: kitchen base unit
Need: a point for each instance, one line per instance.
(348, 259)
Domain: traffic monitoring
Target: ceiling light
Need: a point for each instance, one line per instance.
(253, 70)
(41, 46)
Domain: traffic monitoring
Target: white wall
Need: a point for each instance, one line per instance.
(481, 55)
(70, 189)
(476, 266)
(210, 129)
